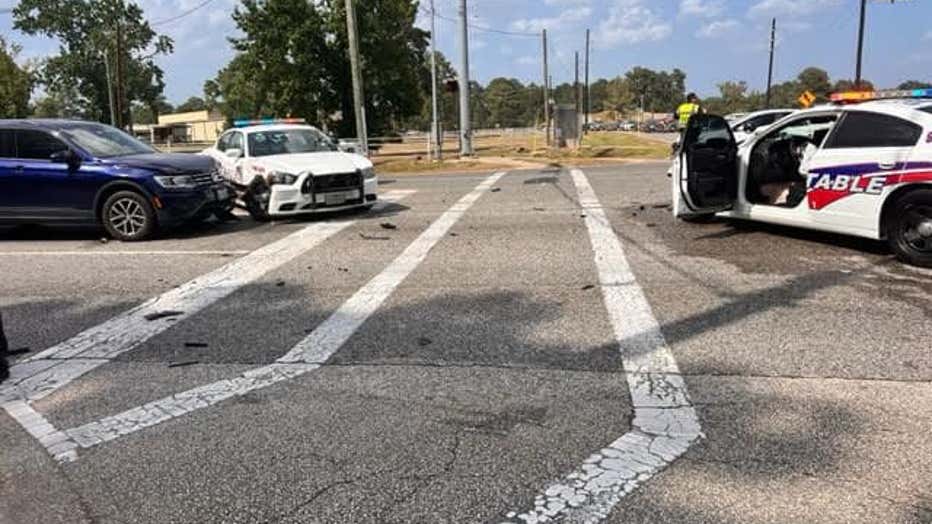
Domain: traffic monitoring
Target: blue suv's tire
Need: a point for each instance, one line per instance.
(128, 216)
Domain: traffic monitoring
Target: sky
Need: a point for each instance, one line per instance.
(711, 40)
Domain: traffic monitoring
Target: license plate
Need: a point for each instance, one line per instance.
(336, 199)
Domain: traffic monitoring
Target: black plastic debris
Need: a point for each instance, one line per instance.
(388, 225)
(650, 224)
(660, 206)
(454, 234)
(182, 363)
(343, 269)
(582, 215)
(373, 237)
(587, 287)
(539, 209)
(641, 207)
(195, 344)
(18, 351)
(162, 314)
(495, 189)
(280, 283)
(424, 341)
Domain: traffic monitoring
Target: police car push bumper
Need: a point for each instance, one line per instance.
(303, 197)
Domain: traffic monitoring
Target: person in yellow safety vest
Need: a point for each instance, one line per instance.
(687, 109)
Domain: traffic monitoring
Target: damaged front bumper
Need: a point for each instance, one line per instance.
(322, 193)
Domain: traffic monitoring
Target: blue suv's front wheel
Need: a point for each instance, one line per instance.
(128, 216)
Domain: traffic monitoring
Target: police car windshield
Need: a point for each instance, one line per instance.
(288, 141)
(104, 141)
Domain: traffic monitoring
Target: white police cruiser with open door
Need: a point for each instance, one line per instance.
(861, 169)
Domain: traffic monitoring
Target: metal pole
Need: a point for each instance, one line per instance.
(358, 97)
(576, 96)
(857, 73)
(434, 127)
(546, 90)
(465, 124)
(587, 100)
(773, 36)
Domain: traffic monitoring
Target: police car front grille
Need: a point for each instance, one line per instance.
(338, 181)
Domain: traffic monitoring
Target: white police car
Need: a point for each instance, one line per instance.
(284, 168)
(861, 169)
(756, 122)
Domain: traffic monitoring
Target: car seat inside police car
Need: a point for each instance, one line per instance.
(775, 167)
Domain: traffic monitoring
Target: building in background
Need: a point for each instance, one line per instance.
(177, 128)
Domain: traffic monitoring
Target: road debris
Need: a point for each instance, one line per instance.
(19, 351)
(424, 341)
(280, 283)
(162, 314)
(182, 363)
(495, 189)
(372, 237)
(587, 287)
(388, 225)
(195, 344)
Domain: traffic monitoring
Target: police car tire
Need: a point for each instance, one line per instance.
(257, 210)
(897, 225)
(699, 219)
(123, 203)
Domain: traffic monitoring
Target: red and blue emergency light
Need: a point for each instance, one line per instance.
(268, 121)
(850, 97)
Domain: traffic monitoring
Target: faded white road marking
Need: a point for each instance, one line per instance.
(664, 424)
(42, 374)
(58, 444)
(121, 253)
(308, 355)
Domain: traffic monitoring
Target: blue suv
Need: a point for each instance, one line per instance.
(73, 172)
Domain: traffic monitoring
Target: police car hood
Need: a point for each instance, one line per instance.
(323, 163)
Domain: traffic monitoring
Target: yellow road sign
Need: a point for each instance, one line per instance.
(806, 99)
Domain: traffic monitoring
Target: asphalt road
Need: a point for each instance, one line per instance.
(459, 355)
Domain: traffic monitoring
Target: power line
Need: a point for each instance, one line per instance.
(182, 15)
(479, 27)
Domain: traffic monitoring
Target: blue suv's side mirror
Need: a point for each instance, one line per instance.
(66, 156)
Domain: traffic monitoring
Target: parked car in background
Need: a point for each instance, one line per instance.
(71, 172)
(758, 121)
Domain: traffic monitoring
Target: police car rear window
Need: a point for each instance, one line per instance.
(863, 129)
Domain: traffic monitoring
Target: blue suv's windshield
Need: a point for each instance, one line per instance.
(104, 141)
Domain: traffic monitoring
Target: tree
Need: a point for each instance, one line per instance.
(93, 34)
(815, 80)
(662, 91)
(506, 102)
(15, 83)
(849, 85)
(292, 60)
(914, 84)
(194, 103)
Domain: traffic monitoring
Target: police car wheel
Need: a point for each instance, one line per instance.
(909, 233)
(257, 198)
(128, 216)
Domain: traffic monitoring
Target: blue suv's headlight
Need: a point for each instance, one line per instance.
(176, 181)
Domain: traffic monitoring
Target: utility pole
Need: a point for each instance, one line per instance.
(110, 89)
(358, 98)
(773, 38)
(587, 100)
(857, 72)
(546, 90)
(434, 127)
(576, 95)
(121, 110)
(465, 124)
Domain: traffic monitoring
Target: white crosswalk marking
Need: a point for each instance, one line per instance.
(665, 422)
(46, 372)
(306, 356)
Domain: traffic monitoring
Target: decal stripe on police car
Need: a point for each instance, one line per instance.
(830, 184)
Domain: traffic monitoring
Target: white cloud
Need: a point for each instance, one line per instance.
(778, 8)
(927, 36)
(706, 8)
(631, 22)
(717, 28)
(565, 18)
(568, 2)
(528, 60)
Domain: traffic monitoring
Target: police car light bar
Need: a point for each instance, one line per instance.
(268, 121)
(863, 96)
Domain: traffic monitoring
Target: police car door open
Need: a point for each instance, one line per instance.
(706, 180)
